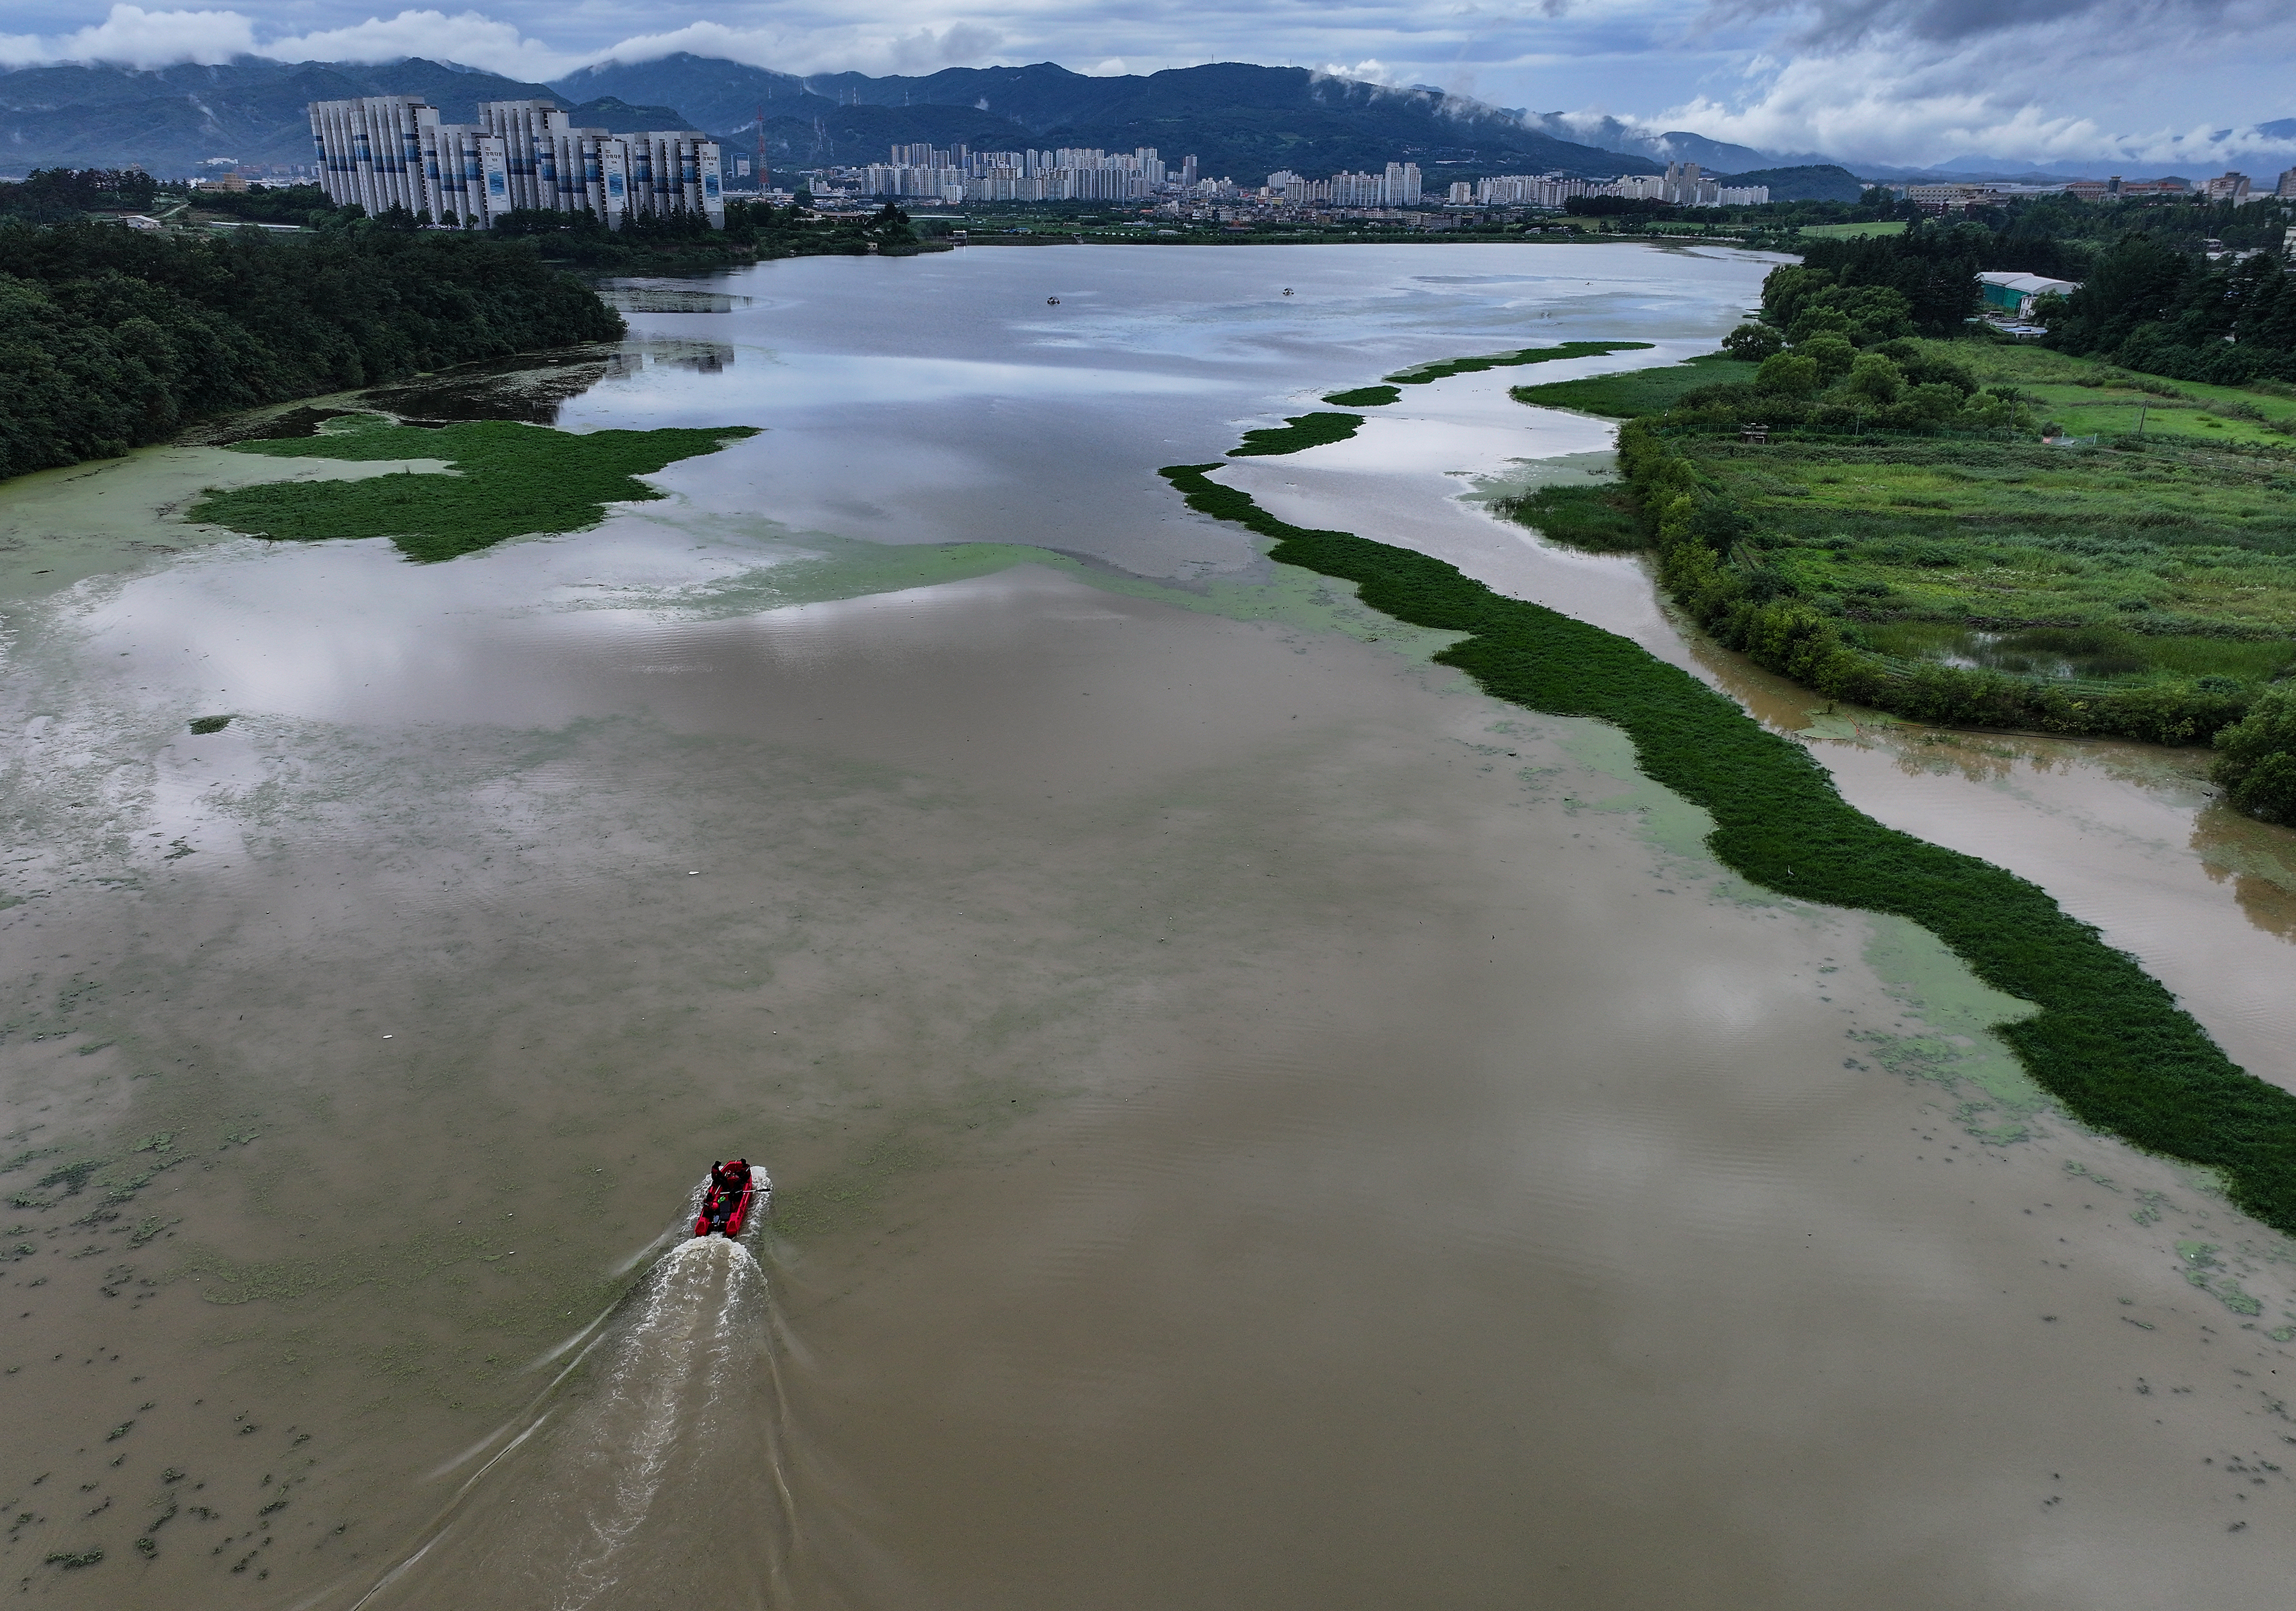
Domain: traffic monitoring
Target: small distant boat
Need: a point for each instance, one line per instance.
(1287, 291)
(725, 1206)
(1052, 301)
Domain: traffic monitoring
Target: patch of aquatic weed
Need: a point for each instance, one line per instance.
(1364, 396)
(511, 481)
(1636, 392)
(2108, 1041)
(1419, 375)
(1300, 432)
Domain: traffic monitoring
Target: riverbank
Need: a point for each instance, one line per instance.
(2109, 1041)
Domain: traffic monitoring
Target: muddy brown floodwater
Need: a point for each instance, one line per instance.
(1252, 1122)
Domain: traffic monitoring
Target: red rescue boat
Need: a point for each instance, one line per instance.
(726, 1206)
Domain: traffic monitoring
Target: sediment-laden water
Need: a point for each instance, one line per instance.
(1253, 1121)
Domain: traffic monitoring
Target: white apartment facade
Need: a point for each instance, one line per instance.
(386, 150)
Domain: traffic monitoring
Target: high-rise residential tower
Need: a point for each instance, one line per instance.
(382, 151)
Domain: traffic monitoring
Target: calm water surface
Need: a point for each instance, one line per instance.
(1252, 1122)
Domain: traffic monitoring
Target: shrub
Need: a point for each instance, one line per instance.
(2256, 759)
(1750, 343)
(1789, 373)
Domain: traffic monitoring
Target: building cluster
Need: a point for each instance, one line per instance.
(2234, 188)
(1399, 185)
(1684, 186)
(1681, 186)
(958, 175)
(955, 175)
(382, 151)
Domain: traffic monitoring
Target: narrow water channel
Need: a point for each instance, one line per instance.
(1253, 1121)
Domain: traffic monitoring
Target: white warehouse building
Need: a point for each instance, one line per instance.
(386, 150)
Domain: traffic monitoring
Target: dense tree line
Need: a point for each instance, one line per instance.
(111, 339)
(2152, 298)
(682, 242)
(55, 195)
(2154, 304)
(1932, 266)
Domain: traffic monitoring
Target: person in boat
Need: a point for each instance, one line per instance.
(727, 1183)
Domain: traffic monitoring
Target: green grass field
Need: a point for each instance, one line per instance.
(2158, 565)
(2150, 562)
(507, 481)
(2090, 399)
(1852, 231)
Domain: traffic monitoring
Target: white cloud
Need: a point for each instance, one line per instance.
(132, 37)
(1916, 81)
(469, 38)
(801, 46)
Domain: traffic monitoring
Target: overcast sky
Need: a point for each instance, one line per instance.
(2154, 82)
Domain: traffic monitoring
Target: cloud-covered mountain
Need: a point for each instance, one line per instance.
(1237, 118)
(172, 119)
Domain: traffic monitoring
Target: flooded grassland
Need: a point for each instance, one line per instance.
(1253, 1120)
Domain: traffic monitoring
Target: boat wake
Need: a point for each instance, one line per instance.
(650, 1471)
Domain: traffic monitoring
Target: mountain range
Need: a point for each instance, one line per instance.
(1237, 119)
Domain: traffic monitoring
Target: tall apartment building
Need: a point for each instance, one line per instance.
(2233, 188)
(1685, 186)
(2285, 190)
(386, 150)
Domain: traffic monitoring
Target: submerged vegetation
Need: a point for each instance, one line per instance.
(2109, 1040)
(1302, 431)
(1601, 520)
(510, 480)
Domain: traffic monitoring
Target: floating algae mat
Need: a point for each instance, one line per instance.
(507, 480)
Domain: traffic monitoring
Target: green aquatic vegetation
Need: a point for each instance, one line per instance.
(1296, 433)
(208, 724)
(1419, 375)
(1600, 520)
(72, 1177)
(504, 479)
(1364, 396)
(1636, 392)
(2108, 1041)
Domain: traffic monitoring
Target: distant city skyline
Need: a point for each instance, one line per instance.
(2154, 84)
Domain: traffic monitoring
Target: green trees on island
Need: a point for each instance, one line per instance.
(111, 339)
